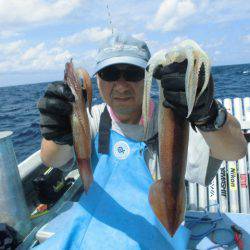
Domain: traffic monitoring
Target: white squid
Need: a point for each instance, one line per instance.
(187, 49)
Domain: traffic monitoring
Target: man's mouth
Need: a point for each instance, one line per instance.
(122, 99)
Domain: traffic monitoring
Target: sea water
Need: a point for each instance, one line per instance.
(19, 113)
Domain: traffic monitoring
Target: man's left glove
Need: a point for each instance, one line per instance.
(172, 78)
(55, 109)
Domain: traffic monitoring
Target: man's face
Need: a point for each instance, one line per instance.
(123, 95)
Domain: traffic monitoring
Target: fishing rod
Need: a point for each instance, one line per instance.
(242, 163)
(223, 187)
(232, 172)
(110, 19)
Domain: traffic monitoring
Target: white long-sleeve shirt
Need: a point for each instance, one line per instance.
(201, 168)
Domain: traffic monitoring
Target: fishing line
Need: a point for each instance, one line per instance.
(193, 221)
(109, 18)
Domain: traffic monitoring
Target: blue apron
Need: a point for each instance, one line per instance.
(115, 214)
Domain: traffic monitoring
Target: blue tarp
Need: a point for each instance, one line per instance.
(115, 214)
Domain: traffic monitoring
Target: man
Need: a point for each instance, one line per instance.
(120, 76)
(123, 160)
(121, 156)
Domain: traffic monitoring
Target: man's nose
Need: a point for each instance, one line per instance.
(121, 83)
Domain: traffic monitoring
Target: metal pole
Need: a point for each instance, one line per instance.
(246, 102)
(212, 195)
(202, 197)
(13, 208)
(223, 188)
(222, 185)
(193, 199)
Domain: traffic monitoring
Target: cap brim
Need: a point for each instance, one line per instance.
(122, 59)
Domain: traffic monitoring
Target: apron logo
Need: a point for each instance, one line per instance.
(121, 150)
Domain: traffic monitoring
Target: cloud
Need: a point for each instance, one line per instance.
(4, 34)
(86, 59)
(33, 52)
(174, 15)
(140, 36)
(223, 11)
(171, 14)
(125, 15)
(21, 57)
(215, 56)
(246, 38)
(11, 48)
(156, 45)
(94, 34)
(153, 45)
(178, 39)
(212, 44)
(33, 59)
(34, 11)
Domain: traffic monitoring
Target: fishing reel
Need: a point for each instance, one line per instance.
(51, 185)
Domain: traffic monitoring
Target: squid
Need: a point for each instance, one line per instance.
(79, 120)
(167, 195)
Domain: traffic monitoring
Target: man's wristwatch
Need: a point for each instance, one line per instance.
(218, 122)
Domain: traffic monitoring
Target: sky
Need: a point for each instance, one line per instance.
(37, 37)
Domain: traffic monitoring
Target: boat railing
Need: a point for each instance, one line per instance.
(229, 188)
(29, 169)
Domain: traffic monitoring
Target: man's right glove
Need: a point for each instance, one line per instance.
(207, 114)
(55, 110)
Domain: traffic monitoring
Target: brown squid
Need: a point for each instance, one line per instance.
(167, 195)
(79, 120)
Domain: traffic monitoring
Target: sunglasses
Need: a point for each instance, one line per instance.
(130, 73)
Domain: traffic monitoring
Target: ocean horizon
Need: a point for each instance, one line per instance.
(44, 82)
(19, 113)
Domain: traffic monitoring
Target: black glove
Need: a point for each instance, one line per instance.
(55, 109)
(173, 83)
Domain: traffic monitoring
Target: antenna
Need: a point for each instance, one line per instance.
(109, 19)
